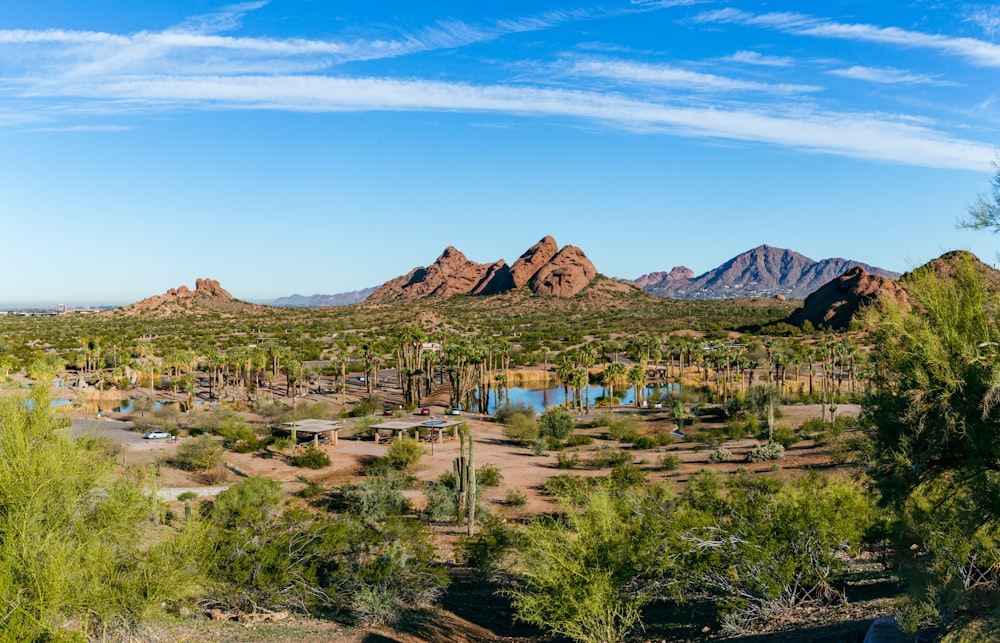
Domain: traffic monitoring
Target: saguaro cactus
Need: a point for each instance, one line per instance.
(465, 479)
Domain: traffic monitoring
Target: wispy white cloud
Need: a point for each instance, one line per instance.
(976, 52)
(856, 135)
(53, 76)
(889, 76)
(82, 128)
(185, 47)
(667, 76)
(987, 17)
(757, 58)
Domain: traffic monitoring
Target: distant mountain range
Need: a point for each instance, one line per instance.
(763, 271)
(317, 301)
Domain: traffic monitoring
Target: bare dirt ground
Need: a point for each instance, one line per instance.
(470, 610)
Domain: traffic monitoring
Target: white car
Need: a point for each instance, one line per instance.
(455, 411)
(157, 435)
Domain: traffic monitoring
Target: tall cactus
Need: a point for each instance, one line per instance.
(465, 479)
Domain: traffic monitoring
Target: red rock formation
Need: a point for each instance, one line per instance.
(208, 296)
(528, 264)
(451, 274)
(208, 287)
(835, 304)
(498, 279)
(564, 275)
(542, 269)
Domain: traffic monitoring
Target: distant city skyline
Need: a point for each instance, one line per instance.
(290, 146)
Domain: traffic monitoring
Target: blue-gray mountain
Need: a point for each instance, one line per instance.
(316, 301)
(761, 272)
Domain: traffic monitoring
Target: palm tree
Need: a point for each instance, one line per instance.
(615, 373)
(637, 378)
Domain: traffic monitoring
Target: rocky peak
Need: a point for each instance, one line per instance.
(566, 274)
(207, 296)
(543, 268)
(528, 264)
(209, 287)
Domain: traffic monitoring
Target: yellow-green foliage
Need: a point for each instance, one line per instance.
(74, 556)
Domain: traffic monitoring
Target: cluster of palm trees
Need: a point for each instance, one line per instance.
(475, 369)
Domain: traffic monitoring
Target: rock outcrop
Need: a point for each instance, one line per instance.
(208, 296)
(528, 264)
(543, 269)
(566, 274)
(838, 302)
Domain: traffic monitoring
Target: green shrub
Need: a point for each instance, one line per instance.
(620, 426)
(187, 495)
(766, 452)
(311, 458)
(626, 475)
(569, 486)
(250, 501)
(367, 406)
(198, 454)
(644, 442)
(669, 462)
(239, 436)
(610, 458)
(578, 440)
(515, 498)
(522, 429)
(487, 550)
(556, 423)
(442, 505)
(488, 476)
(508, 412)
(404, 453)
(564, 461)
(785, 436)
(377, 496)
(311, 490)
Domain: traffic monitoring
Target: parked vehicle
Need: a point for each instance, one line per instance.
(425, 411)
(455, 411)
(157, 435)
(387, 411)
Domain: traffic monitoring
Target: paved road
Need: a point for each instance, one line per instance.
(115, 429)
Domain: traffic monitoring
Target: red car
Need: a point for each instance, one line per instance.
(387, 411)
(425, 411)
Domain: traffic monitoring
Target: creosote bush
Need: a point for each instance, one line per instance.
(311, 458)
(198, 454)
(405, 452)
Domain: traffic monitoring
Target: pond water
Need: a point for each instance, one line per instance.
(126, 406)
(542, 398)
(30, 403)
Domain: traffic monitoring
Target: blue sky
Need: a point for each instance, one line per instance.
(301, 146)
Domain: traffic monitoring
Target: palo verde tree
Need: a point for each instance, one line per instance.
(935, 418)
(75, 559)
(984, 213)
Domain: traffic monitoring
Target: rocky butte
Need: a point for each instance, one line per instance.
(543, 269)
(839, 301)
(208, 296)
